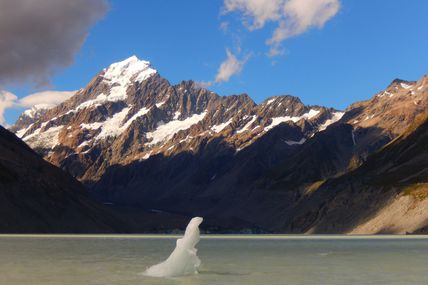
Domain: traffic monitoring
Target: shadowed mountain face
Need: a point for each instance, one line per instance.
(37, 197)
(387, 194)
(134, 139)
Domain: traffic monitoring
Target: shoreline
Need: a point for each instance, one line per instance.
(224, 236)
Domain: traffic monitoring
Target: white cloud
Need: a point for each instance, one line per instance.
(229, 67)
(224, 26)
(294, 17)
(256, 12)
(46, 98)
(7, 100)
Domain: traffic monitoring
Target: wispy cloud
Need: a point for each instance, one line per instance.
(256, 12)
(47, 98)
(231, 66)
(40, 37)
(294, 17)
(224, 26)
(7, 100)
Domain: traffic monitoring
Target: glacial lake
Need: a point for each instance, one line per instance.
(226, 260)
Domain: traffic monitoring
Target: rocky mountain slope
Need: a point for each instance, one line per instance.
(36, 197)
(365, 128)
(386, 194)
(134, 139)
(29, 117)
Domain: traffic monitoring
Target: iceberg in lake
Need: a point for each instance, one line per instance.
(183, 260)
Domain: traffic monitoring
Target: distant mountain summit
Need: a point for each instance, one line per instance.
(30, 116)
(129, 113)
(134, 139)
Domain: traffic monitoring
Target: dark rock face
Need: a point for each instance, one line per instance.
(134, 139)
(36, 197)
(397, 173)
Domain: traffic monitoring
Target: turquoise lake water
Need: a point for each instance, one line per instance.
(293, 260)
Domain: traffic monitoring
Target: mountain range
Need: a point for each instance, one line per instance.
(135, 141)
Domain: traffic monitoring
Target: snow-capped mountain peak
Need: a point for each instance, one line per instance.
(125, 71)
(129, 113)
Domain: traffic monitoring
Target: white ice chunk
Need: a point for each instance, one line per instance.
(183, 260)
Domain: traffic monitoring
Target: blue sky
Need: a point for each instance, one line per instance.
(357, 53)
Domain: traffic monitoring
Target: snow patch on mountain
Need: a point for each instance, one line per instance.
(21, 133)
(111, 127)
(369, 117)
(219, 128)
(247, 125)
(336, 116)
(102, 98)
(386, 93)
(270, 101)
(47, 139)
(140, 113)
(158, 105)
(406, 86)
(278, 120)
(166, 131)
(37, 109)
